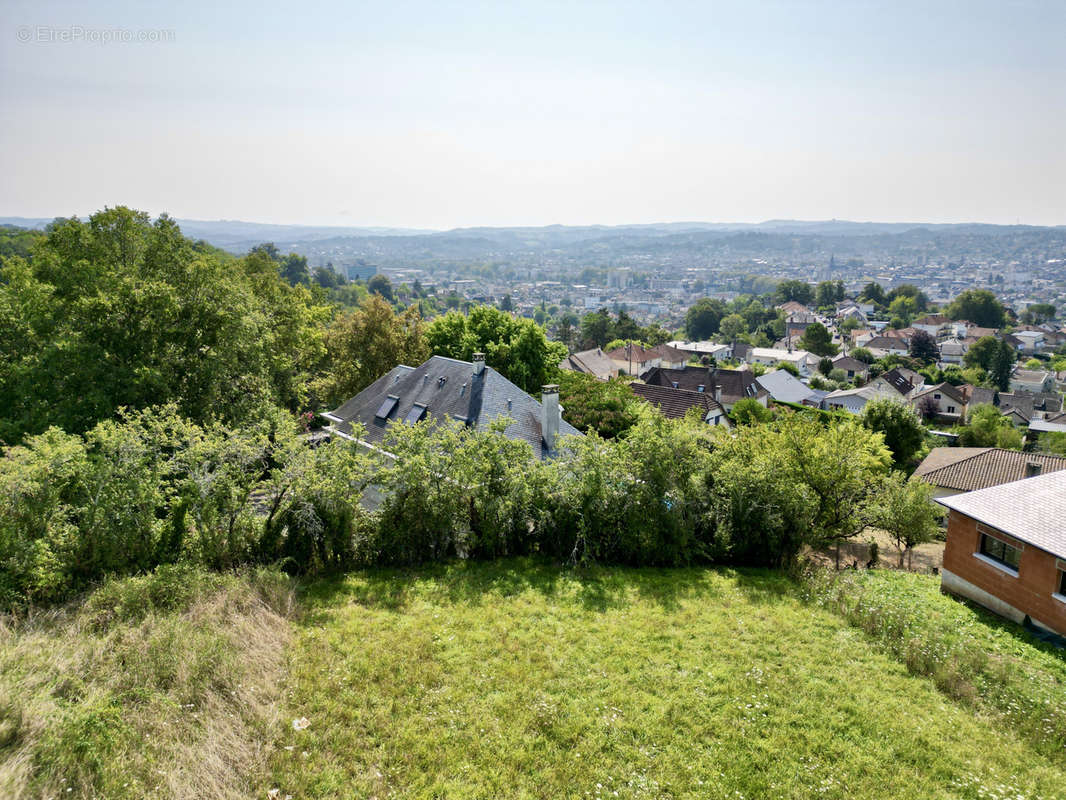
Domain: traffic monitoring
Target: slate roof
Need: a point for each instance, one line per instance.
(898, 381)
(1032, 510)
(785, 387)
(847, 362)
(886, 343)
(675, 403)
(954, 392)
(989, 467)
(592, 362)
(447, 387)
(736, 383)
(976, 395)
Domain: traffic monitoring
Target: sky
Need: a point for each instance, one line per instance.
(441, 115)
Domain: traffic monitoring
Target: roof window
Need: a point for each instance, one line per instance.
(387, 406)
(415, 414)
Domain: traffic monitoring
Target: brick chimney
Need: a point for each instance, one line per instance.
(1032, 469)
(550, 414)
(479, 363)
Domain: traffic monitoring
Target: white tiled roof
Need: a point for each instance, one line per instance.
(1032, 510)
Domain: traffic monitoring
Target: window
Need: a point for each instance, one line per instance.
(1062, 582)
(387, 406)
(415, 414)
(1000, 551)
(951, 409)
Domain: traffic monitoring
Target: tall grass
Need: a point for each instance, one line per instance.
(155, 686)
(989, 664)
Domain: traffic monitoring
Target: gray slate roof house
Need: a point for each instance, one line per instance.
(734, 384)
(441, 388)
(591, 362)
(676, 403)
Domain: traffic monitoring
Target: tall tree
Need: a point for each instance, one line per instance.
(979, 306)
(381, 285)
(703, 318)
(900, 426)
(923, 347)
(1001, 366)
(800, 291)
(816, 339)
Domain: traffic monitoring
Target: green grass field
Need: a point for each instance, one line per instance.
(520, 680)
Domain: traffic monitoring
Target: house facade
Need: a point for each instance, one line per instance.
(1006, 549)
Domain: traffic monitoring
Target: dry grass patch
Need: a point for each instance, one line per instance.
(158, 686)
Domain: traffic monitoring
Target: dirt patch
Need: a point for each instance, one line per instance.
(924, 558)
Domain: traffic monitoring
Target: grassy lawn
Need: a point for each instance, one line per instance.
(517, 679)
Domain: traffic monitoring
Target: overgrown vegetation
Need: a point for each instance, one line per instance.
(164, 685)
(986, 663)
(516, 678)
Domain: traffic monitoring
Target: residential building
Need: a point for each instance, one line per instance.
(732, 384)
(1032, 381)
(591, 362)
(442, 388)
(676, 403)
(852, 367)
(1006, 549)
(784, 387)
(952, 470)
(771, 357)
(943, 402)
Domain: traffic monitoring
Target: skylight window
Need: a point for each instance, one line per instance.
(415, 414)
(387, 406)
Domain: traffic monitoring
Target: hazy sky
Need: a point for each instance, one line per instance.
(432, 114)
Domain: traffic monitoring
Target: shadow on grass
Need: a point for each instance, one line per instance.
(595, 589)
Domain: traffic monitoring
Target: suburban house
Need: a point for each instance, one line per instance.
(1032, 340)
(953, 350)
(784, 387)
(446, 388)
(700, 349)
(899, 380)
(676, 403)
(852, 367)
(632, 359)
(796, 322)
(855, 400)
(952, 470)
(771, 357)
(942, 401)
(882, 346)
(732, 384)
(932, 324)
(1027, 380)
(1026, 406)
(591, 362)
(1006, 549)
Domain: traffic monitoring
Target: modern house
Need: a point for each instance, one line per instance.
(932, 324)
(852, 367)
(591, 362)
(772, 356)
(1027, 380)
(1006, 549)
(676, 403)
(888, 345)
(784, 387)
(445, 388)
(700, 349)
(953, 470)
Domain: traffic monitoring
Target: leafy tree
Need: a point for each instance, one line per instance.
(999, 371)
(606, 407)
(733, 326)
(1038, 313)
(982, 352)
(704, 318)
(789, 367)
(518, 348)
(800, 291)
(816, 339)
(328, 278)
(596, 329)
(506, 304)
(923, 347)
(979, 306)
(381, 285)
(368, 342)
(987, 427)
(900, 426)
(905, 510)
(828, 293)
(293, 268)
(825, 366)
(921, 302)
(1052, 442)
(904, 308)
(873, 293)
(863, 355)
(749, 411)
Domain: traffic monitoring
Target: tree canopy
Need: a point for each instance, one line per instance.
(979, 306)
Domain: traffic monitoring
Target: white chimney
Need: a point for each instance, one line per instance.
(718, 393)
(550, 414)
(479, 363)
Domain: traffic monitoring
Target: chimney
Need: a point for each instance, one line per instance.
(1032, 469)
(718, 393)
(550, 414)
(699, 388)
(479, 363)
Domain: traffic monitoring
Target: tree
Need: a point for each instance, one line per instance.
(506, 304)
(923, 347)
(749, 411)
(905, 510)
(293, 268)
(999, 371)
(979, 306)
(900, 426)
(987, 427)
(518, 348)
(863, 355)
(704, 318)
(828, 293)
(1038, 313)
(366, 343)
(799, 291)
(873, 293)
(733, 326)
(607, 407)
(816, 339)
(381, 285)
(921, 302)
(596, 329)
(825, 366)
(981, 353)
(904, 308)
